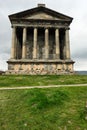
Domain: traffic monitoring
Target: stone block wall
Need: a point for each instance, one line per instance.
(35, 68)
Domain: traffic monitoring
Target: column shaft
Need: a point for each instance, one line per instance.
(46, 43)
(13, 49)
(57, 43)
(67, 44)
(24, 43)
(35, 44)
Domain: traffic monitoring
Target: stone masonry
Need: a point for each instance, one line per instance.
(40, 42)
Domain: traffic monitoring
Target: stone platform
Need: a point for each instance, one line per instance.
(40, 67)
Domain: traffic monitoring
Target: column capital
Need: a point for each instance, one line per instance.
(12, 26)
(24, 27)
(46, 28)
(57, 28)
(35, 27)
(67, 28)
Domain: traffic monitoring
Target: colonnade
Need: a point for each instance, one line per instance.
(35, 42)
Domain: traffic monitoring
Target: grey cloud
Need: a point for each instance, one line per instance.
(81, 54)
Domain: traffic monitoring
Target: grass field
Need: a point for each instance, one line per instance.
(40, 80)
(44, 109)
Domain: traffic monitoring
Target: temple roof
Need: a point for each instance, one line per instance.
(40, 13)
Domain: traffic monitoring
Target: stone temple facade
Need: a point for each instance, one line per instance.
(40, 42)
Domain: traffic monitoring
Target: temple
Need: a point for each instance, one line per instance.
(40, 42)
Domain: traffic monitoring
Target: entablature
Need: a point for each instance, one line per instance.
(49, 24)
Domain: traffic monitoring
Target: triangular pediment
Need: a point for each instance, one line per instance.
(40, 13)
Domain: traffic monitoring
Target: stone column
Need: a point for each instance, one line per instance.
(13, 49)
(24, 43)
(35, 44)
(57, 43)
(67, 44)
(46, 43)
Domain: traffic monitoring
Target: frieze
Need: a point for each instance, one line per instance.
(40, 24)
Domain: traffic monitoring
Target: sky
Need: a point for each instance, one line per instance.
(78, 28)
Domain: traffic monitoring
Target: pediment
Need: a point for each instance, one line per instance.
(42, 15)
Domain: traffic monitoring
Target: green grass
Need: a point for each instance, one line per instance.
(44, 109)
(40, 80)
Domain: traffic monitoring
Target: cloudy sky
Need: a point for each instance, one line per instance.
(78, 29)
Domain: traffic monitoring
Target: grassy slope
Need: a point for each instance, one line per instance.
(43, 109)
(26, 80)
